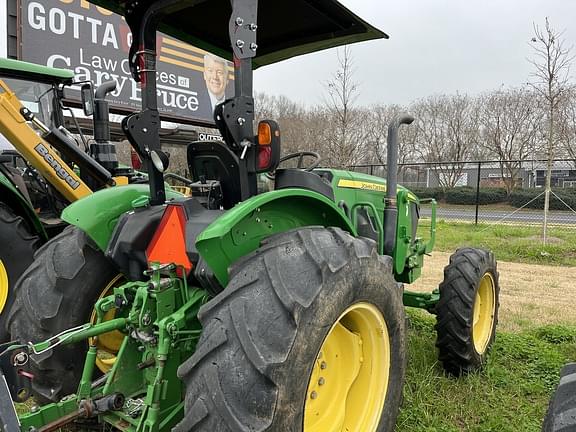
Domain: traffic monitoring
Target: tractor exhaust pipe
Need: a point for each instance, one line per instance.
(390, 206)
(101, 111)
(103, 150)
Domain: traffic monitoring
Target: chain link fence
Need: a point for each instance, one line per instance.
(491, 192)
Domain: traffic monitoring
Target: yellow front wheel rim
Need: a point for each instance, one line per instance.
(484, 311)
(108, 344)
(4, 286)
(349, 380)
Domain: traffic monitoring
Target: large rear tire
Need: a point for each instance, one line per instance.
(467, 313)
(561, 414)
(58, 292)
(19, 243)
(308, 336)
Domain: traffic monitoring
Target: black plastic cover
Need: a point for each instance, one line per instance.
(131, 237)
(135, 229)
(295, 178)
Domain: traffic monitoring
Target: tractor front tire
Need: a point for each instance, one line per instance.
(467, 312)
(58, 292)
(308, 336)
(19, 243)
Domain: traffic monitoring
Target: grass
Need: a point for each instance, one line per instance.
(496, 207)
(511, 394)
(513, 390)
(510, 243)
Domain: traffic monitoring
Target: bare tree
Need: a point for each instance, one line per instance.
(509, 125)
(264, 106)
(379, 116)
(567, 124)
(344, 140)
(551, 62)
(448, 132)
(291, 117)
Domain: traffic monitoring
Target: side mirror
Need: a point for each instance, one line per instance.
(268, 141)
(87, 99)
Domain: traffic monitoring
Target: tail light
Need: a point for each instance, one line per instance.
(264, 158)
(135, 159)
(268, 140)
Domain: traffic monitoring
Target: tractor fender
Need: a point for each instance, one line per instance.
(98, 213)
(240, 230)
(14, 199)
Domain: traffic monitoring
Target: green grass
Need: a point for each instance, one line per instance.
(510, 394)
(510, 243)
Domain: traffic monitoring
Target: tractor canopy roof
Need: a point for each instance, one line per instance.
(10, 68)
(286, 28)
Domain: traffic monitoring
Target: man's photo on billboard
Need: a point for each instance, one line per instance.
(216, 79)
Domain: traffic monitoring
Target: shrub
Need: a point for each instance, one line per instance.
(436, 193)
(467, 195)
(521, 197)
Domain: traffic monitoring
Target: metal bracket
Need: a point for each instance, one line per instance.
(242, 28)
(234, 119)
(142, 130)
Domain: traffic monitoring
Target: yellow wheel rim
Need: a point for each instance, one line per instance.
(349, 380)
(484, 310)
(4, 287)
(108, 344)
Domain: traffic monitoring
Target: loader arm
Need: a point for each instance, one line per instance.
(35, 149)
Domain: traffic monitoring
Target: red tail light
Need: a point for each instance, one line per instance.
(264, 157)
(136, 162)
(169, 242)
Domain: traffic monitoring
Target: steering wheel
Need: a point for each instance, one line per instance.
(300, 155)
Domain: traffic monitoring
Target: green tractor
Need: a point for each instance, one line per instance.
(37, 172)
(22, 192)
(235, 310)
(45, 169)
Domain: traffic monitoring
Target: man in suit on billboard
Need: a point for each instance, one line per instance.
(217, 86)
(216, 78)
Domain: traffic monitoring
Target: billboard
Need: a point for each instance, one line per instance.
(94, 43)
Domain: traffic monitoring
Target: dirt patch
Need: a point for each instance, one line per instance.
(530, 294)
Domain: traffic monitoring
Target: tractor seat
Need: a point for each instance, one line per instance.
(212, 160)
(296, 178)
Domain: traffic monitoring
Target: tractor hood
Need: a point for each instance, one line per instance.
(286, 28)
(10, 68)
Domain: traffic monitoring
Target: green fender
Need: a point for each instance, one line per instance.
(240, 230)
(97, 214)
(13, 198)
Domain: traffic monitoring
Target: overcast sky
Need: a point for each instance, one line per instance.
(435, 46)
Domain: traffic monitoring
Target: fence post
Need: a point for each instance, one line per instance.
(371, 169)
(477, 192)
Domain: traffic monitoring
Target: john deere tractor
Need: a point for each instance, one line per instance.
(235, 310)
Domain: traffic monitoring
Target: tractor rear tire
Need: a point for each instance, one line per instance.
(561, 414)
(259, 363)
(19, 243)
(58, 292)
(467, 312)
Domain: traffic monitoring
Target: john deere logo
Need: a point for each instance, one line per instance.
(56, 166)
